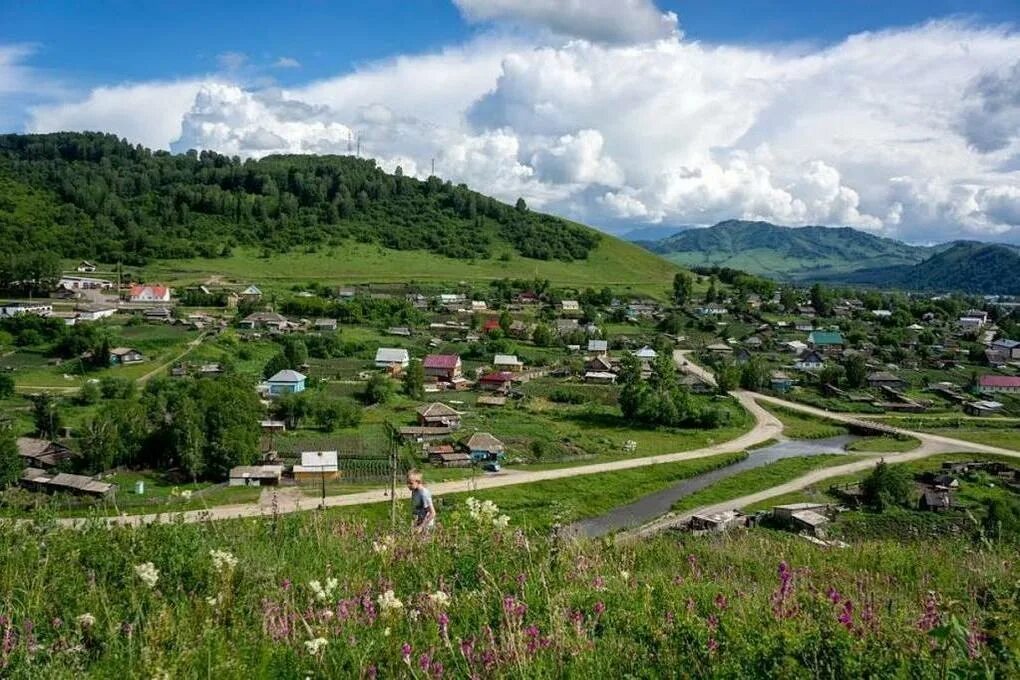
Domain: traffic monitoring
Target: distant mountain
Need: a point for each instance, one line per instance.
(985, 268)
(651, 234)
(788, 253)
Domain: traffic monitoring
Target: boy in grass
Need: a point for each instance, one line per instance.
(421, 504)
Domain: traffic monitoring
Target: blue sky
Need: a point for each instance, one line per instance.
(899, 117)
(96, 42)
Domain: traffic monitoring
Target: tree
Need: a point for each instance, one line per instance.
(855, 370)
(329, 414)
(291, 408)
(89, 393)
(187, 439)
(378, 389)
(820, 300)
(505, 321)
(683, 287)
(1002, 519)
(521, 206)
(278, 362)
(542, 335)
(6, 386)
(712, 294)
(296, 352)
(11, 464)
(831, 374)
(727, 376)
(414, 380)
(887, 486)
(46, 415)
(755, 374)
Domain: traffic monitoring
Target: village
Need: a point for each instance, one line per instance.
(469, 380)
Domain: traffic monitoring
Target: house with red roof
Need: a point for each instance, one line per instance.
(999, 383)
(148, 293)
(491, 324)
(444, 367)
(499, 381)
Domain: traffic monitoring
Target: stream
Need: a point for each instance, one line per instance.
(659, 503)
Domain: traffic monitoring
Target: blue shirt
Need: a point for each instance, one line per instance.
(421, 501)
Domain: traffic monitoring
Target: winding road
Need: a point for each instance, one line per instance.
(766, 427)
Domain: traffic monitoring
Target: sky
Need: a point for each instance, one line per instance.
(900, 118)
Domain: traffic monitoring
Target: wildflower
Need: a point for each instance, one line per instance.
(85, 620)
(186, 494)
(444, 622)
(386, 631)
(222, 560)
(285, 584)
(148, 572)
(713, 645)
(625, 575)
(598, 583)
(846, 616)
(600, 607)
(413, 615)
(383, 546)
(315, 646)
(975, 638)
(930, 615)
(405, 652)
(833, 595)
(324, 592)
(439, 599)
(213, 601)
(501, 522)
(388, 602)
(721, 602)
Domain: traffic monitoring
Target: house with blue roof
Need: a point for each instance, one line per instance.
(286, 382)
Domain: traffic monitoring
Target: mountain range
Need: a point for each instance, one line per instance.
(845, 255)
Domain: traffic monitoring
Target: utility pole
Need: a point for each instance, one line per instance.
(393, 478)
(433, 167)
(322, 478)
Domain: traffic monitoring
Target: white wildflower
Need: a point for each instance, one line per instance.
(389, 603)
(148, 573)
(486, 512)
(324, 592)
(315, 646)
(501, 522)
(413, 615)
(625, 575)
(212, 601)
(386, 631)
(86, 620)
(222, 560)
(186, 494)
(383, 546)
(440, 599)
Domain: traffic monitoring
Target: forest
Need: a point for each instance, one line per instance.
(92, 195)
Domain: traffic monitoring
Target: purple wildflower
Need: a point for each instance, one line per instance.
(846, 616)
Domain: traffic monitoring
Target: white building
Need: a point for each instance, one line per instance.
(392, 358)
(145, 293)
(19, 308)
(94, 312)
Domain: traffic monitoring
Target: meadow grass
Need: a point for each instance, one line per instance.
(884, 444)
(800, 426)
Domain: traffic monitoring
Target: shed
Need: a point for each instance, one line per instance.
(255, 475)
(438, 414)
(316, 465)
(483, 446)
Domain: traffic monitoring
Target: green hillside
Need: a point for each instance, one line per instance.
(288, 218)
(986, 268)
(787, 253)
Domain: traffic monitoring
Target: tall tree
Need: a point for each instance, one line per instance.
(414, 379)
(683, 287)
(46, 415)
(11, 464)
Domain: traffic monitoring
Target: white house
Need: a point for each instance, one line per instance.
(646, 353)
(317, 465)
(570, 306)
(147, 293)
(392, 358)
(83, 283)
(85, 267)
(507, 362)
(19, 308)
(809, 361)
(94, 312)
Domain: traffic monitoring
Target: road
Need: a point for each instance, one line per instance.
(688, 366)
(167, 364)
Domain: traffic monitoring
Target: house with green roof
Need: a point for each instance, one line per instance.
(825, 339)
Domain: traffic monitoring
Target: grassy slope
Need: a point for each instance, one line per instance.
(615, 263)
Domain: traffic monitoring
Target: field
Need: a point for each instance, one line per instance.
(328, 595)
(622, 266)
(797, 425)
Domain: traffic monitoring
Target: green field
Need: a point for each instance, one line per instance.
(797, 425)
(624, 267)
(884, 444)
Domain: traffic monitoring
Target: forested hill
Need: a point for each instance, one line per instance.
(787, 253)
(93, 195)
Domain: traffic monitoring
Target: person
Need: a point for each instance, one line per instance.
(421, 503)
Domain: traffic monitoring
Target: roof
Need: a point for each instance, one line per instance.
(825, 338)
(799, 506)
(325, 322)
(505, 359)
(265, 317)
(449, 456)
(599, 375)
(392, 355)
(810, 517)
(883, 376)
(251, 290)
(999, 381)
(490, 401)
(319, 459)
(1006, 344)
(436, 409)
(810, 356)
(30, 447)
(779, 375)
(646, 352)
(498, 376)
(571, 304)
(440, 361)
(121, 351)
(483, 441)
(157, 291)
(256, 472)
(288, 376)
(598, 345)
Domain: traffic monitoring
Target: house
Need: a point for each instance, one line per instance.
(600, 377)
(507, 362)
(419, 433)
(598, 363)
(711, 310)
(445, 456)
(806, 311)
(445, 367)
(696, 384)
(719, 348)
(642, 310)
(19, 308)
(780, 382)
(885, 379)
(999, 383)
(94, 312)
(646, 353)
(795, 346)
(484, 447)
(982, 408)
(438, 414)
(317, 466)
(806, 517)
(264, 320)
(491, 324)
(85, 267)
(273, 426)
(716, 522)
(83, 283)
(255, 475)
(825, 340)
(149, 293)
(566, 326)
(519, 329)
(1010, 347)
(570, 307)
(325, 325)
(399, 331)
(479, 306)
(527, 298)
(935, 500)
(210, 369)
(881, 313)
(42, 453)
(598, 347)
(251, 294)
(158, 314)
(969, 323)
(393, 359)
(40, 480)
(753, 342)
(286, 381)
(498, 381)
(125, 355)
(810, 360)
